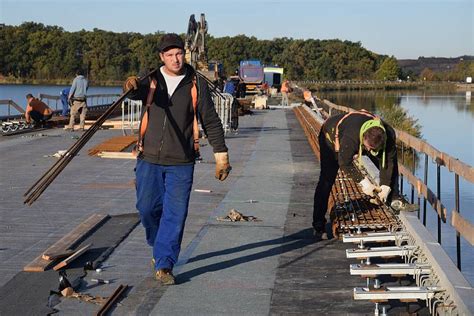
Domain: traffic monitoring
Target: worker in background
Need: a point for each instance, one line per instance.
(229, 87)
(285, 91)
(78, 100)
(167, 150)
(64, 101)
(344, 138)
(37, 111)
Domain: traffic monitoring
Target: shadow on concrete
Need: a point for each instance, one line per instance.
(283, 244)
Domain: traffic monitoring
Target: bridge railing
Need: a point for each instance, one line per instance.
(414, 146)
(12, 105)
(93, 100)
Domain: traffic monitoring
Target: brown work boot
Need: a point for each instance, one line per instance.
(165, 276)
(320, 234)
(402, 206)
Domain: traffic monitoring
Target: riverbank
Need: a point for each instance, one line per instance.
(351, 85)
(56, 82)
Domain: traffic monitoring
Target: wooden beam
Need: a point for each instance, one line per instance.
(40, 264)
(116, 155)
(71, 258)
(464, 227)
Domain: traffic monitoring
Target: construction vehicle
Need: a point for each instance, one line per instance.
(251, 75)
(196, 52)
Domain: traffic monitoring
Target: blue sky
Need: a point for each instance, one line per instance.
(403, 28)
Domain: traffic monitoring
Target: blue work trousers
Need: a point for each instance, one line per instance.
(162, 199)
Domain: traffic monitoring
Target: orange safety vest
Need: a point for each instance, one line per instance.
(285, 87)
(144, 121)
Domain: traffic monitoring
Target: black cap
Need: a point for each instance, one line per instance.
(170, 40)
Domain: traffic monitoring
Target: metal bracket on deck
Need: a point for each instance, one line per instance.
(402, 251)
(396, 293)
(389, 269)
(398, 237)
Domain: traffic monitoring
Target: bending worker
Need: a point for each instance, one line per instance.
(346, 137)
(37, 110)
(173, 97)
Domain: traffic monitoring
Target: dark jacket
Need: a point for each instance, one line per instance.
(169, 136)
(349, 143)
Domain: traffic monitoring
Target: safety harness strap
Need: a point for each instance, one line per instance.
(336, 138)
(144, 121)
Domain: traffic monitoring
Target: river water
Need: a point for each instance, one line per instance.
(447, 123)
(17, 93)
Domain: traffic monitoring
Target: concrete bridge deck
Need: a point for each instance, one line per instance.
(273, 266)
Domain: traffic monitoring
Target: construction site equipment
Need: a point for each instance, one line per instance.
(251, 75)
(373, 270)
(196, 51)
(35, 191)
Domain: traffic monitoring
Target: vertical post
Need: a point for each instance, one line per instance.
(403, 163)
(458, 236)
(438, 194)
(425, 181)
(413, 171)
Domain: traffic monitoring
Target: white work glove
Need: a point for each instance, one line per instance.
(384, 192)
(367, 187)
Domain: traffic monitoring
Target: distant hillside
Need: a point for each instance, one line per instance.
(436, 64)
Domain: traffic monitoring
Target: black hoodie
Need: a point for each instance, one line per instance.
(168, 138)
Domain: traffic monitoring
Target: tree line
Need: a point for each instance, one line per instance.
(35, 51)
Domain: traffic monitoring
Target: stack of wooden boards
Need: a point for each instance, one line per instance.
(113, 147)
(61, 253)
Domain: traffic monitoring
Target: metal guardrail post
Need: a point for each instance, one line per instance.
(425, 181)
(438, 193)
(403, 162)
(457, 206)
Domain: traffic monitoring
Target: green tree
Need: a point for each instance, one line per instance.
(388, 70)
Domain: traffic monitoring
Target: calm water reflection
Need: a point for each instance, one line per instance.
(447, 122)
(17, 93)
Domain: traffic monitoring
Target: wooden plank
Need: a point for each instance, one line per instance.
(115, 144)
(116, 155)
(58, 255)
(71, 258)
(464, 227)
(39, 264)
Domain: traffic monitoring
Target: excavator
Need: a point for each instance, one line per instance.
(211, 71)
(196, 52)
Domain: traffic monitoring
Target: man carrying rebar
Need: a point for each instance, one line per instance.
(167, 147)
(344, 138)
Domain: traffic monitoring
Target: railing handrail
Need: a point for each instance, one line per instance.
(57, 97)
(12, 103)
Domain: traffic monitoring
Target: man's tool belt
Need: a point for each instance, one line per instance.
(80, 99)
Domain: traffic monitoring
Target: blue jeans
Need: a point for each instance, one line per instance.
(162, 199)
